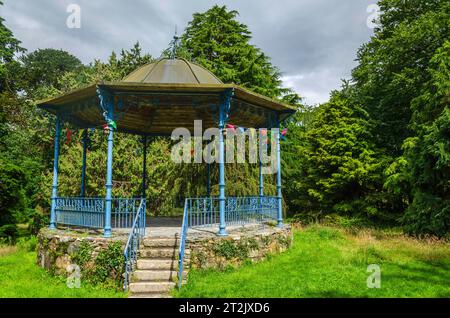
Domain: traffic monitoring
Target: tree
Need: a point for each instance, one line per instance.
(9, 47)
(44, 67)
(341, 169)
(393, 66)
(221, 44)
(12, 198)
(396, 83)
(423, 171)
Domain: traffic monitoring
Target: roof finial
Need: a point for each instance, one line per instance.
(174, 44)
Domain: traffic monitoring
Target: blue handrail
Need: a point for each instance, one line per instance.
(184, 229)
(204, 212)
(134, 239)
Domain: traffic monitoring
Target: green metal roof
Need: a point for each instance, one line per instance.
(161, 96)
(172, 71)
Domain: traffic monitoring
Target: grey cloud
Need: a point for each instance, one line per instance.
(313, 42)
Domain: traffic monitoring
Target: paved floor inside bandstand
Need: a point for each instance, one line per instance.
(170, 227)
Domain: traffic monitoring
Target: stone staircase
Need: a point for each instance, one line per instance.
(157, 268)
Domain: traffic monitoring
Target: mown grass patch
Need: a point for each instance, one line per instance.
(21, 277)
(332, 262)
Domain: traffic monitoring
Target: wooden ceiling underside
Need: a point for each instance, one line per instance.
(159, 113)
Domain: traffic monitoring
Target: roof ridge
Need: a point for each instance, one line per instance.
(189, 65)
(214, 75)
(151, 70)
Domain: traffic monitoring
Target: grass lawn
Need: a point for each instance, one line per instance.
(331, 262)
(21, 277)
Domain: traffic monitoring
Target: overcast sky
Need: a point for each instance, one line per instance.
(312, 42)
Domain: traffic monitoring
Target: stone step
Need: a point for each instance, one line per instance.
(151, 287)
(154, 295)
(161, 252)
(154, 275)
(161, 242)
(157, 264)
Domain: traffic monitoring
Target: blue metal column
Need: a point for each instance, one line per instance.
(261, 178)
(221, 180)
(144, 169)
(55, 175)
(107, 106)
(223, 114)
(208, 181)
(144, 183)
(279, 196)
(109, 185)
(83, 169)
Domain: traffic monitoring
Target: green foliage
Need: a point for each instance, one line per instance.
(37, 220)
(28, 243)
(109, 263)
(44, 67)
(379, 150)
(340, 168)
(105, 269)
(8, 233)
(9, 47)
(423, 171)
(83, 254)
(230, 249)
(216, 40)
(392, 68)
(12, 195)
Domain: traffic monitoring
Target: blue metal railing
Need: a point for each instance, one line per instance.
(134, 240)
(90, 212)
(184, 229)
(204, 212)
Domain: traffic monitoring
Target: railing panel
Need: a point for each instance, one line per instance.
(134, 240)
(203, 212)
(84, 212)
(90, 212)
(124, 211)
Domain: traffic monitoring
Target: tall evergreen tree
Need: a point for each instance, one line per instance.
(9, 47)
(216, 40)
(340, 169)
(402, 82)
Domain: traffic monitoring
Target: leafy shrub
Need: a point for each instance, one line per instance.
(109, 264)
(83, 254)
(37, 221)
(230, 249)
(9, 233)
(12, 194)
(27, 243)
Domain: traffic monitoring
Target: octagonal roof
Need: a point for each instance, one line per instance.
(172, 71)
(161, 96)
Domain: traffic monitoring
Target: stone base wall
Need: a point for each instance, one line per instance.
(238, 247)
(57, 249)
